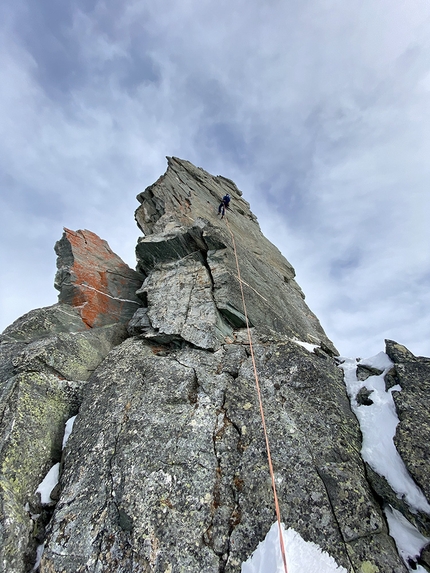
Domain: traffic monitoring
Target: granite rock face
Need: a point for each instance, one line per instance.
(166, 469)
(412, 437)
(407, 381)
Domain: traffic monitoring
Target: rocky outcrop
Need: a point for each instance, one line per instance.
(46, 358)
(166, 469)
(94, 280)
(44, 322)
(412, 437)
(178, 215)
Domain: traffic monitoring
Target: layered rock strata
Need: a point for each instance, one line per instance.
(178, 215)
(94, 280)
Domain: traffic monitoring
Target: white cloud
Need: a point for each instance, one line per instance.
(318, 110)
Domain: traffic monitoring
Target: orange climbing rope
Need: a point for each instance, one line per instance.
(257, 384)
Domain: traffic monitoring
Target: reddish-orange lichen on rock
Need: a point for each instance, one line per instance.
(93, 279)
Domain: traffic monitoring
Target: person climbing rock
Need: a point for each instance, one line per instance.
(225, 202)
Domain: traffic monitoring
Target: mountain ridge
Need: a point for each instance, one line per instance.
(166, 468)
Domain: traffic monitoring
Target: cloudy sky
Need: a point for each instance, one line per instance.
(319, 110)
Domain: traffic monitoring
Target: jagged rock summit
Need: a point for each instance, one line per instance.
(184, 234)
(166, 469)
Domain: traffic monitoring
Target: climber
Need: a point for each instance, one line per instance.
(225, 201)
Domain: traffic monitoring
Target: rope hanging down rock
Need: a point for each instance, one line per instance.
(257, 385)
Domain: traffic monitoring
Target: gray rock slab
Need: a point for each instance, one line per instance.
(44, 322)
(166, 468)
(181, 304)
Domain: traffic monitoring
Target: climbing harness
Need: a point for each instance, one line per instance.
(257, 384)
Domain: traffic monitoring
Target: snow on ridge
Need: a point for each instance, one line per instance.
(380, 361)
(302, 556)
(378, 423)
(409, 540)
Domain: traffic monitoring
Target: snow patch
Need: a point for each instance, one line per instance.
(310, 347)
(378, 424)
(68, 430)
(39, 553)
(380, 361)
(409, 540)
(48, 484)
(302, 556)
